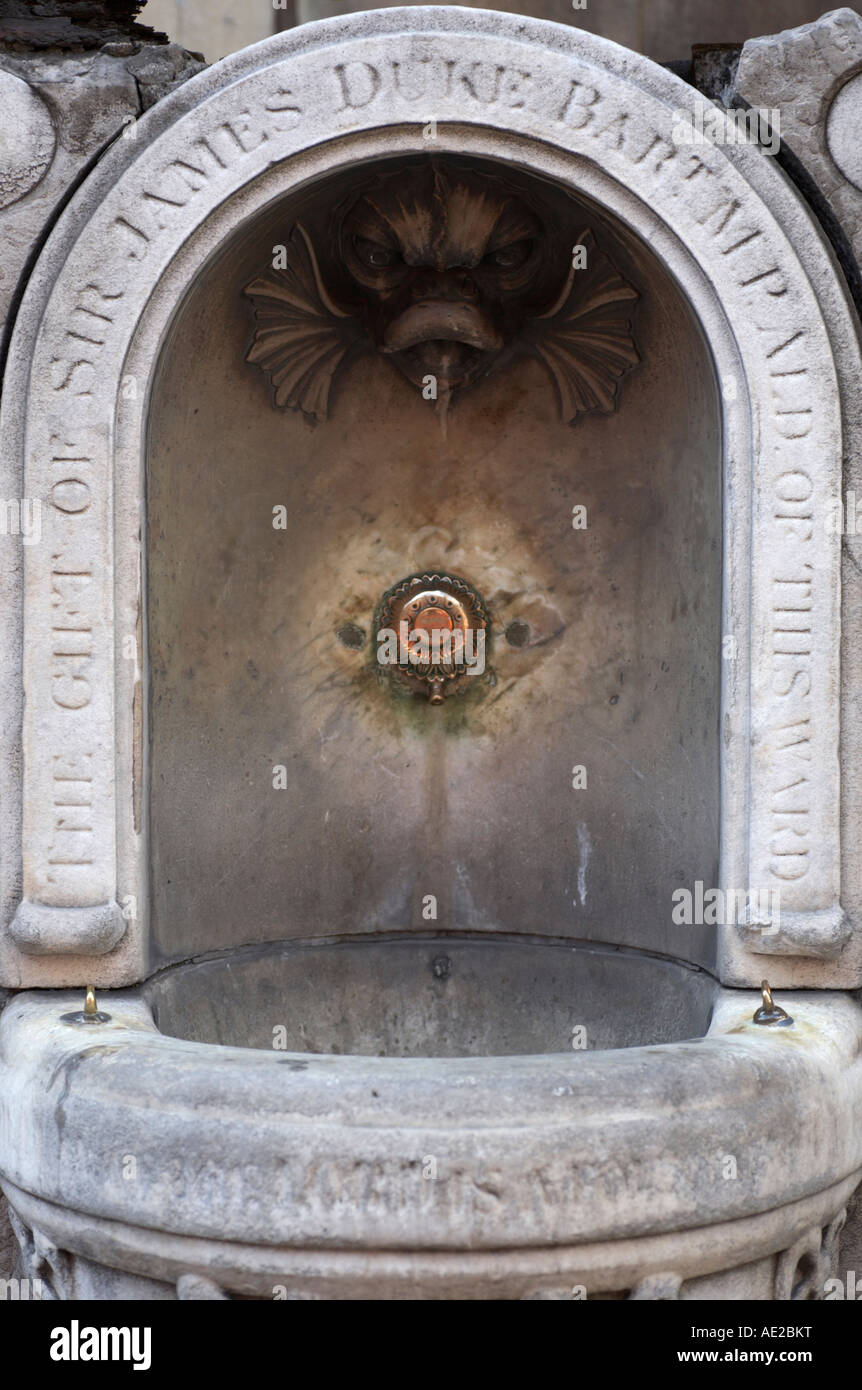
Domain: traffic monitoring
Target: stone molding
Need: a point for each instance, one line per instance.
(73, 1255)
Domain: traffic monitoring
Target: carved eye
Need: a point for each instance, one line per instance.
(510, 257)
(374, 255)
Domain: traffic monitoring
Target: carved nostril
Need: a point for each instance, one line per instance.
(440, 285)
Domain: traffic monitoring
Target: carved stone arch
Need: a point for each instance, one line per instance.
(724, 222)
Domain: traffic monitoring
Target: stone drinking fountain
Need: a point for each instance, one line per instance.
(435, 591)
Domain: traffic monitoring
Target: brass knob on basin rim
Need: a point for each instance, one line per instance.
(90, 1014)
(770, 1012)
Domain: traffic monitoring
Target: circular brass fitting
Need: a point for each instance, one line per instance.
(431, 632)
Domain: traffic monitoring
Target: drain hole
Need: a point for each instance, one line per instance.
(517, 633)
(351, 636)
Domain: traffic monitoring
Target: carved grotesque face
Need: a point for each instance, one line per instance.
(448, 273)
(445, 266)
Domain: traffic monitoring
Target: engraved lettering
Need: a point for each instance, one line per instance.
(72, 804)
(245, 132)
(359, 84)
(135, 241)
(70, 495)
(411, 90)
(286, 107)
(775, 291)
(71, 637)
(614, 131)
(67, 374)
(575, 109)
(666, 152)
(482, 82)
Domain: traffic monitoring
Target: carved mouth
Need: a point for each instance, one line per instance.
(442, 339)
(444, 321)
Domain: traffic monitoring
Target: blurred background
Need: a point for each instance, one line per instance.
(663, 29)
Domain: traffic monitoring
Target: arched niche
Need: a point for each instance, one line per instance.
(730, 233)
(391, 815)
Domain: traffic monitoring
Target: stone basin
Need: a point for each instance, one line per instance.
(444, 996)
(144, 1165)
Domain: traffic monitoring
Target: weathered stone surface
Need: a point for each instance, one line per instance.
(851, 1246)
(71, 24)
(28, 139)
(8, 1247)
(7, 1240)
(157, 71)
(280, 1174)
(809, 75)
(452, 997)
(60, 112)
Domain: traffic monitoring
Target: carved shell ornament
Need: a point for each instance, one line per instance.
(450, 275)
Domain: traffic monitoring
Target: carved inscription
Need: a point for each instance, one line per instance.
(203, 163)
(357, 84)
(72, 805)
(71, 868)
(792, 726)
(72, 595)
(71, 635)
(91, 314)
(70, 463)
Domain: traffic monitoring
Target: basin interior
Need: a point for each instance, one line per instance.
(433, 996)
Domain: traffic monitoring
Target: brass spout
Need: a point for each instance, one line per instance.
(435, 692)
